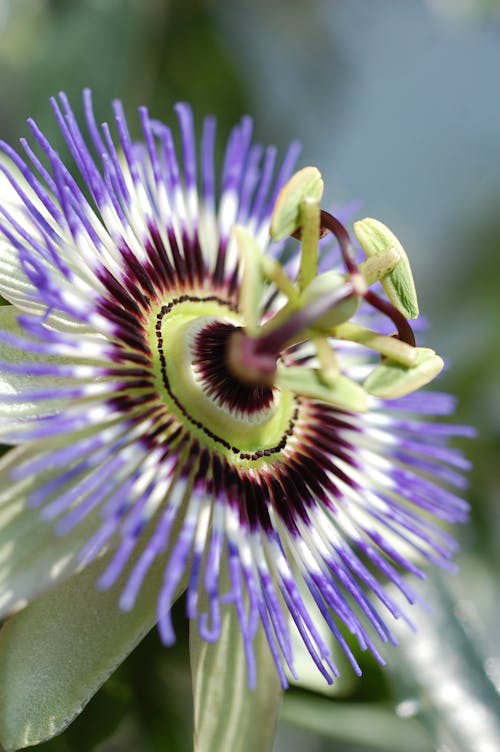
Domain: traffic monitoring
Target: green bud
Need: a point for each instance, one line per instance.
(342, 393)
(375, 238)
(391, 379)
(305, 184)
(322, 285)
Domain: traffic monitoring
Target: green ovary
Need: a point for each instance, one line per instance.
(172, 334)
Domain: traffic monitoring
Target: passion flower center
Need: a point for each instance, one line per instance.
(211, 366)
(189, 343)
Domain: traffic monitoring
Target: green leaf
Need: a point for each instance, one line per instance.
(445, 672)
(228, 716)
(372, 727)
(305, 184)
(375, 238)
(57, 652)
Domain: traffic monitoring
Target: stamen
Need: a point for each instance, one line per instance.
(300, 320)
(253, 359)
(252, 355)
(329, 222)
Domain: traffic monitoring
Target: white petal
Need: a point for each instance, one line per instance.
(14, 285)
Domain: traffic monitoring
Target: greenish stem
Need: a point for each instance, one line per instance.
(274, 272)
(390, 347)
(252, 281)
(329, 370)
(294, 327)
(376, 267)
(309, 233)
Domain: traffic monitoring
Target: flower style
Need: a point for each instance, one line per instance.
(184, 387)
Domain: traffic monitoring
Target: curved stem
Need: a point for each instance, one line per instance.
(331, 223)
(405, 332)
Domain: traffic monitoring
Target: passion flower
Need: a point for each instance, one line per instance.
(183, 388)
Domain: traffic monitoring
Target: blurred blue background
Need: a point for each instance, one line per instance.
(398, 103)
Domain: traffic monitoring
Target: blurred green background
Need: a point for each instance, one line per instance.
(399, 105)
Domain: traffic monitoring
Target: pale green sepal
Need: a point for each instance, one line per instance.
(323, 285)
(391, 380)
(252, 279)
(342, 393)
(56, 653)
(14, 414)
(228, 716)
(32, 557)
(305, 184)
(375, 238)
